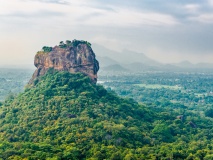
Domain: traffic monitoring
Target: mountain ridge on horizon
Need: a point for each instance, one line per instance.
(109, 57)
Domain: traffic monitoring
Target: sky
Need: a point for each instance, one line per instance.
(168, 31)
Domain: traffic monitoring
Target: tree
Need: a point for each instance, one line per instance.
(68, 42)
(62, 45)
(209, 113)
(163, 132)
(47, 49)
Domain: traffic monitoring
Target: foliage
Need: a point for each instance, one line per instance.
(209, 113)
(62, 45)
(73, 43)
(12, 81)
(68, 43)
(77, 42)
(65, 116)
(182, 100)
(41, 120)
(47, 49)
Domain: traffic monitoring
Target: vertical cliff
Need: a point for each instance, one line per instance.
(73, 56)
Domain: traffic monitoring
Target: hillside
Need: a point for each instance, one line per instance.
(64, 114)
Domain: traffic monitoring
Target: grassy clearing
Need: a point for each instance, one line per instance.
(158, 86)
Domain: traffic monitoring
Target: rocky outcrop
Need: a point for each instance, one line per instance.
(75, 56)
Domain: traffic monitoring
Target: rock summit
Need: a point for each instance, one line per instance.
(73, 56)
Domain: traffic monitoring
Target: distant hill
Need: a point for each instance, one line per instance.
(187, 64)
(106, 61)
(115, 68)
(184, 64)
(124, 57)
(136, 62)
(137, 67)
(204, 65)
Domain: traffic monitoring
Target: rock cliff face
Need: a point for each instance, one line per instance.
(75, 56)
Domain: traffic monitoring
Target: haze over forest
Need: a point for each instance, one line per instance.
(166, 31)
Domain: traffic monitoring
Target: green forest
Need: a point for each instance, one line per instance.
(12, 81)
(65, 116)
(106, 80)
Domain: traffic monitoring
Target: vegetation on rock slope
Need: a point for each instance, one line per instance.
(69, 116)
(68, 43)
(65, 116)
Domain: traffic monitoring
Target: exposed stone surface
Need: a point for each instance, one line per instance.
(78, 57)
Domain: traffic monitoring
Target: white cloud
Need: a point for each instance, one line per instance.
(29, 24)
(13, 6)
(203, 18)
(131, 18)
(121, 17)
(192, 8)
(53, 1)
(210, 2)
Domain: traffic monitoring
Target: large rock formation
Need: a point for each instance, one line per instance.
(75, 56)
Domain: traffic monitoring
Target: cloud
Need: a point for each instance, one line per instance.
(124, 17)
(175, 28)
(52, 1)
(38, 14)
(192, 8)
(20, 6)
(82, 13)
(210, 2)
(203, 18)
